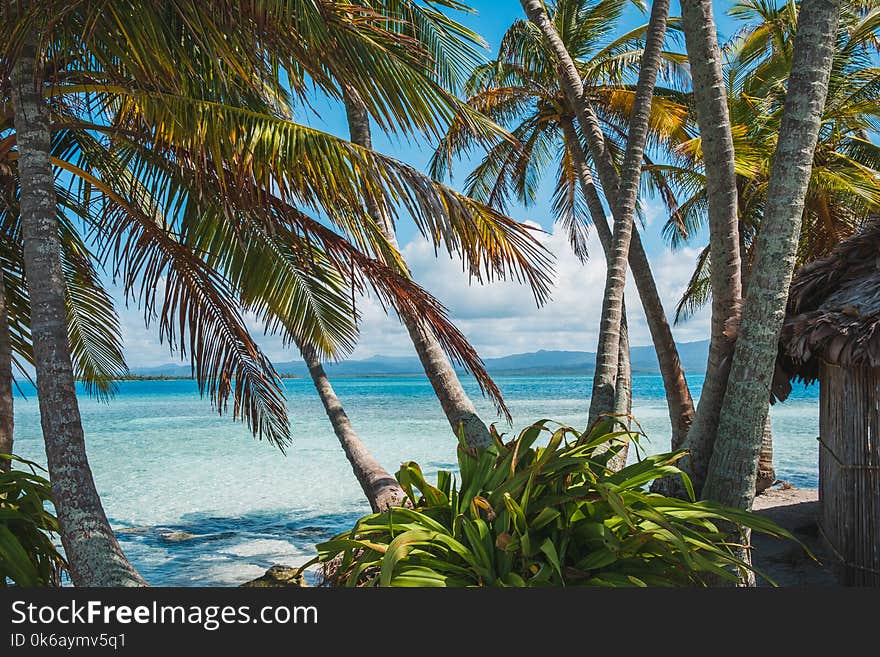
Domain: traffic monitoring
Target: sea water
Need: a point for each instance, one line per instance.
(196, 501)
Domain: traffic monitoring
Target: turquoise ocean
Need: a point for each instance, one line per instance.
(164, 462)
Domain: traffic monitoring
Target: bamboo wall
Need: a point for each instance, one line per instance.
(849, 470)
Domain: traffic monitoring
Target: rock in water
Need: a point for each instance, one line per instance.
(176, 537)
(139, 529)
(277, 577)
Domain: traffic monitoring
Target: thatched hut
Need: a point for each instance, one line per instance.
(832, 334)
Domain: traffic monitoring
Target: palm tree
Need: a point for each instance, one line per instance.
(522, 91)
(604, 381)
(93, 328)
(91, 547)
(621, 194)
(444, 45)
(181, 124)
(843, 192)
(710, 102)
(459, 409)
(733, 466)
(444, 49)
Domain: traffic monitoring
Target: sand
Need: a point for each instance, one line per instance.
(785, 562)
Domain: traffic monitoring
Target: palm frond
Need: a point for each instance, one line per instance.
(698, 291)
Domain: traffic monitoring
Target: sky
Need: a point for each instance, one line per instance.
(500, 318)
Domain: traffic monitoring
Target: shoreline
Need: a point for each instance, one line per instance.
(783, 561)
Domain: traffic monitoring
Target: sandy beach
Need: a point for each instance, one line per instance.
(795, 509)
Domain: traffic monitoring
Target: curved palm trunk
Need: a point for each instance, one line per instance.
(603, 392)
(605, 378)
(573, 87)
(710, 98)
(92, 550)
(733, 466)
(7, 419)
(678, 395)
(623, 390)
(381, 489)
(457, 406)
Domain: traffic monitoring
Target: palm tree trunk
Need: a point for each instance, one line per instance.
(677, 392)
(623, 391)
(573, 87)
(7, 418)
(381, 489)
(605, 377)
(733, 467)
(710, 98)
(678, 395)
(459, 409)
(766, 476)
(92, 550)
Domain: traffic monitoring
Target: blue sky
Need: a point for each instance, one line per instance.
(500, 318)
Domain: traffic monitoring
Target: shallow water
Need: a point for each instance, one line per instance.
(165, 462)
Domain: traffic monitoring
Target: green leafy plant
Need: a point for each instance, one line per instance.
(551, 515)
(28, 556)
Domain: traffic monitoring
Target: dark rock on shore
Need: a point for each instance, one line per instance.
(277, 577)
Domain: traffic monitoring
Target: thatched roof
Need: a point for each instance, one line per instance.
(833, 310)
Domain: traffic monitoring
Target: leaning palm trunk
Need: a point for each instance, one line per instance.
(459, 409)
(766, 476)
(93, 553)
(381, 489)
(678, 395)
(710, 98)
(623, 391)
(605, 378)
(571, 84)
(6, 409)
(732, 469)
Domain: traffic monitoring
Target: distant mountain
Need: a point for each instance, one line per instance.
(644, 360)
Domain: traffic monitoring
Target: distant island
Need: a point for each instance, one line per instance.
(132, 376)
(536, 363)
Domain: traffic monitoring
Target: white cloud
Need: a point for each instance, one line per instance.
(502, 318)
(653, 213)
(499, 318)
(672, 271)
(142, 346)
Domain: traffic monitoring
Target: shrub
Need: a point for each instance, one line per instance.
(28, 557)
(527, 515)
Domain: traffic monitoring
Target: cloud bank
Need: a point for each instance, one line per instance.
(499, 318)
